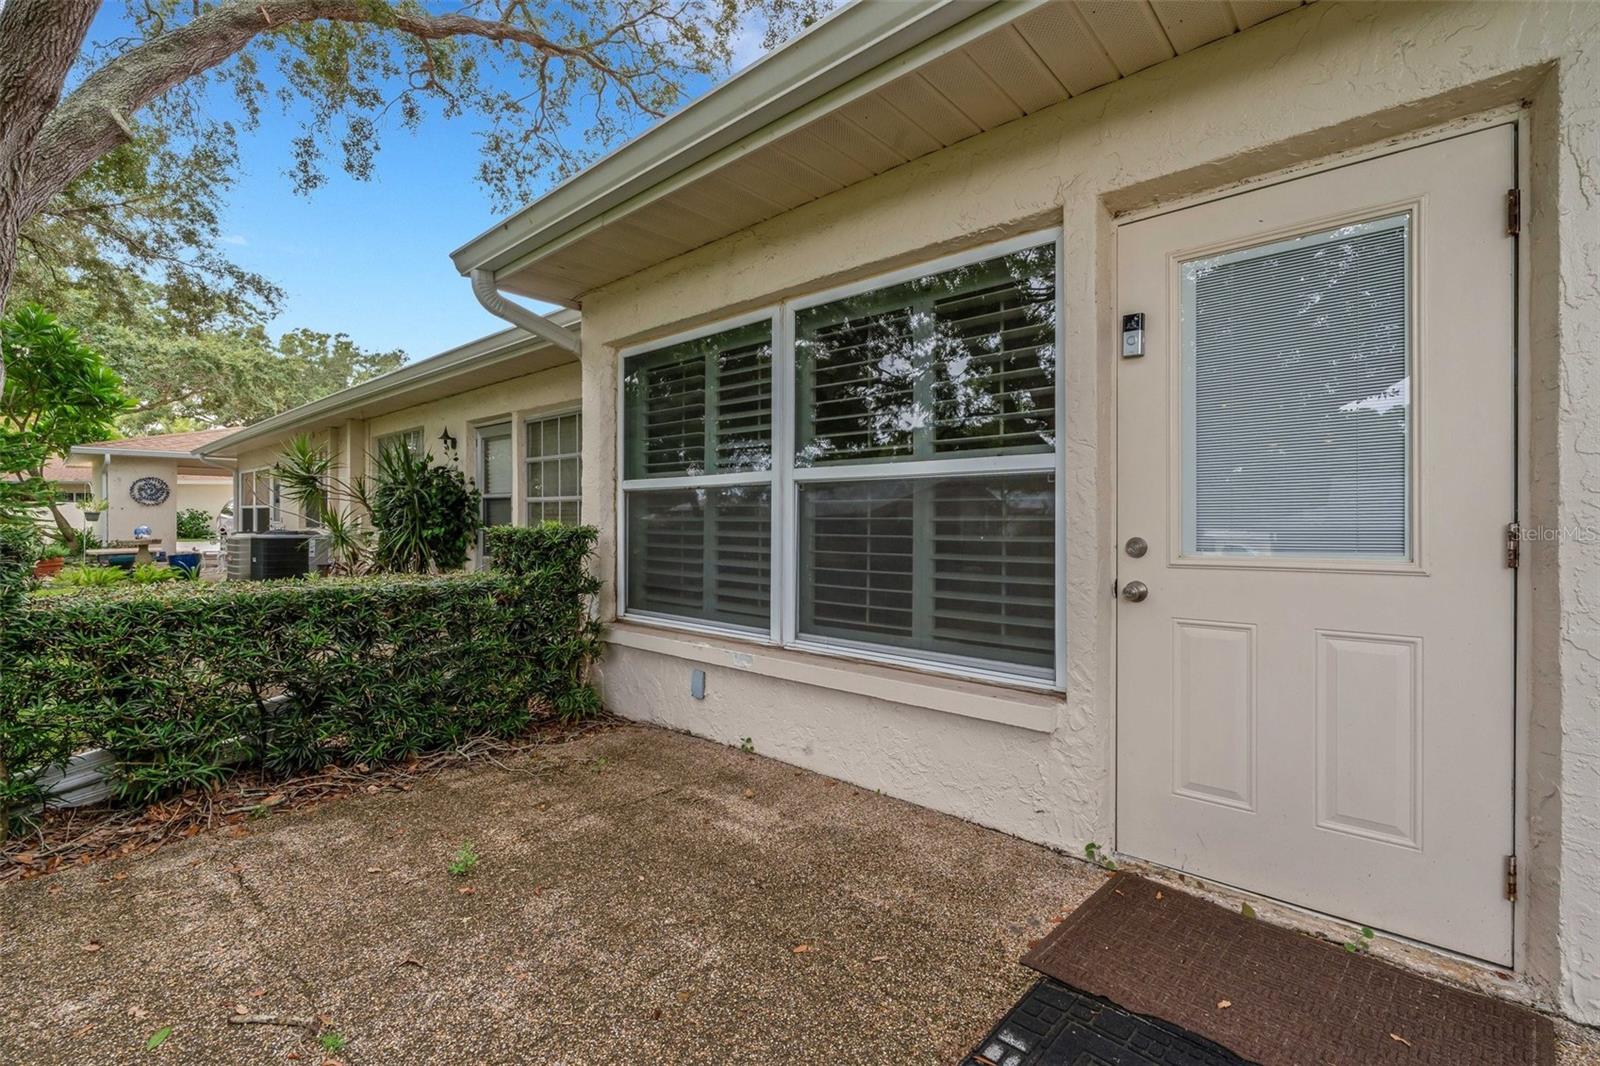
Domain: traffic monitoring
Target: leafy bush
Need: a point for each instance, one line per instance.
(151, 574)
(426, 514)
(195, 524)
(19, 547)
(90, 577)
(183, 682)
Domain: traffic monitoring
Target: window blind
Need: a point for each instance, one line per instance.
(959, 362)
(702, 553)
(701, 407)
(955, 566)
(1297, 396)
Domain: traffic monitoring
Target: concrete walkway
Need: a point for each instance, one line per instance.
(641, 897)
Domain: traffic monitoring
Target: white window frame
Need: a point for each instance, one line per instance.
(785, 479)
(274, 499)
(527, 460)
(382, 440)
(492, 427)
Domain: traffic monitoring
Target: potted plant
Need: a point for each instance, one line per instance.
(50, 561)
(93, 509)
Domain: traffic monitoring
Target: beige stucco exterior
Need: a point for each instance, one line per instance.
(352, 441)
(1325, 82)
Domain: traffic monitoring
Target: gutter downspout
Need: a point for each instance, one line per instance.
(488, 294)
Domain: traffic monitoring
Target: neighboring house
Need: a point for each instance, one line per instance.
(504, 408)
(1171, 426)
(146, 481)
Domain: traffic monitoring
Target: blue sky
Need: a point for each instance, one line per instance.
(370, 259)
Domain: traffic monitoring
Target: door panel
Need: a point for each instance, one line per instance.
(1315, 701)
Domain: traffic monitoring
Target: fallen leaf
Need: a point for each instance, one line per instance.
(749, 793)
(257, 993)
(655, 1015)
(83, 1030)
(801, 949)
(293, 1056)
(467, 890)
(373, 870)
(409, 961)
(273, 800)
(879, 958)
(24, 858)
(683, 997)
(240, 1009)
(1224, 1004)
(1247, 910)
(1397, 1037)
(1158, 894)
(158, 1038)
(93, 945)
(138, 1013)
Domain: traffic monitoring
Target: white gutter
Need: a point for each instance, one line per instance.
(485, 351)
(488, 294)
(837, 59)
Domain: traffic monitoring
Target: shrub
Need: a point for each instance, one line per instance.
(19, 547)
(194, 523)
(183, 682)
(426, 515)
(90, 577)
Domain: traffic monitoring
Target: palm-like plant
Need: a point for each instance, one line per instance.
(419, 517)
(426, 514)
(306, 473)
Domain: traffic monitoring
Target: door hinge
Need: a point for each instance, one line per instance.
(1513, 544)
(1513, 212)
(1511, 878)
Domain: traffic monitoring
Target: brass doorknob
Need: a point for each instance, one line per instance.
(1135, 591)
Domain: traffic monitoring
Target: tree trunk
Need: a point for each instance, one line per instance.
(41, 40)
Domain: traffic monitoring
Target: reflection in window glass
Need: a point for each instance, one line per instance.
(960, 362)
(1296, 397)
(701, 407)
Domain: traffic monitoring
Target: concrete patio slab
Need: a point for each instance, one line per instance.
(641, 897)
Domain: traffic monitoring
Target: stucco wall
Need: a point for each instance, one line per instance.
(124, 515)
(207, 495)
(1300, 89)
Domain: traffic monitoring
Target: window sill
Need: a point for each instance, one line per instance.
(987, 701)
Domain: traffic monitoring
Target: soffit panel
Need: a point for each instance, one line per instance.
(1046, 55)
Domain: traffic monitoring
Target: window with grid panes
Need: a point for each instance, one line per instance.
(554, 469)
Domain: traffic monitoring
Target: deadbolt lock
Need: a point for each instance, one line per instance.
(1135, 591)
(1136, 547)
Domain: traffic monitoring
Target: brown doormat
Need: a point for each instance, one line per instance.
(1274, 996)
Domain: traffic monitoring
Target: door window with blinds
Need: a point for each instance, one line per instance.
(494, 477)
(909, 450)
(1296, 401)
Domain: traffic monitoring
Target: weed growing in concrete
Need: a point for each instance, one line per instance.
(1096, 854)
(466, 860)
(747, 745)
(333, 1041)
(1361, 942)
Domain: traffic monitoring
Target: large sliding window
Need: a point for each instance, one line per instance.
(907, 457)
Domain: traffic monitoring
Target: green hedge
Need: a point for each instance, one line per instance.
(184, 683)
(19, 548)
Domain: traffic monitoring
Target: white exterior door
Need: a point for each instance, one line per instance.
(1315, 696)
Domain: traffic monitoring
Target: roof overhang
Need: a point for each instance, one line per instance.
(868, 89)
(487, 361)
